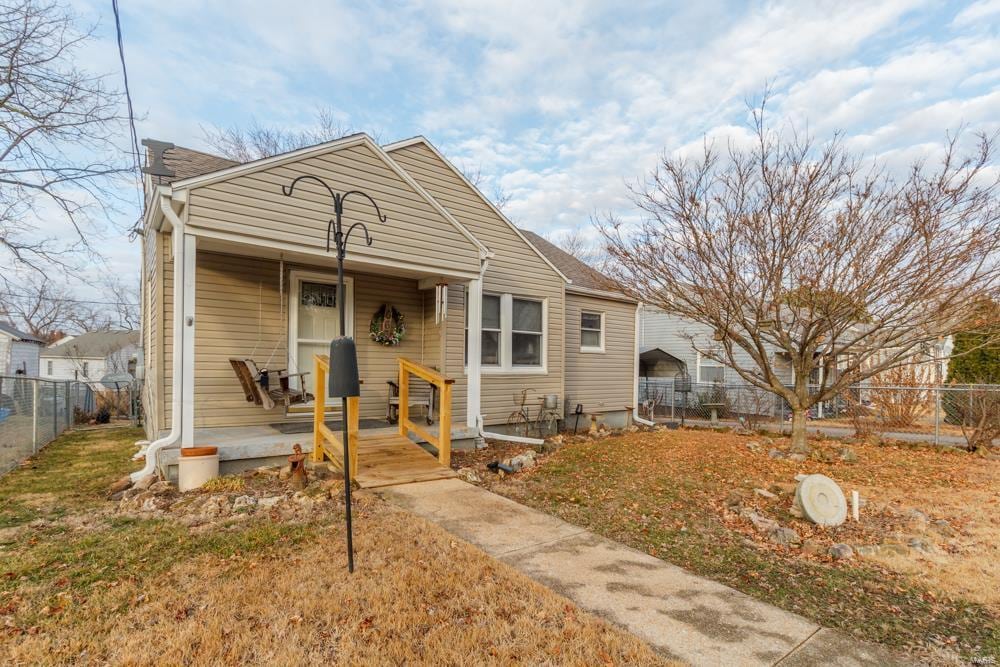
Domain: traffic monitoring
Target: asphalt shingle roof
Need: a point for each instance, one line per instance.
(582, 274)
(93, 345)
(10, 329)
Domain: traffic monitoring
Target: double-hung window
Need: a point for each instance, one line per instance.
(526, 332)
(513, 333)
(492, 331)
(710, 370)
(591, 332)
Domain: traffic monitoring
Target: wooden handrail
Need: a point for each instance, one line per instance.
(325, 441)
(443, 383)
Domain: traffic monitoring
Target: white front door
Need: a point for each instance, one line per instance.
(314, 320)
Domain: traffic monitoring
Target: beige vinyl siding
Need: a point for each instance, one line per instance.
(602, 382)
(151, 329)
(515, 268)
(238, 314)
(253, 205)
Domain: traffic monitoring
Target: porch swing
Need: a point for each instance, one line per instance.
(256, 381)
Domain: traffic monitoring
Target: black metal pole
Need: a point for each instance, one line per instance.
(341, 307)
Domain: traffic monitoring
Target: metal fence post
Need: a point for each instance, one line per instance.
(69, 404)
(937, 415)
(34, 416)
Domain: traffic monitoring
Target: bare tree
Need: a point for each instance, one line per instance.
(500, 197)
(122, 309)
(798, 252)
(48, 311)
(575, 242)
(58, 125)
(256, 141)
(41, 308)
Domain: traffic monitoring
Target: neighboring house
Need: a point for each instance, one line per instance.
(248, 271)
(18, 351)
(92, 356)
(669, 344)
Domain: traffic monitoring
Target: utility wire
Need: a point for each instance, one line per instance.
(131, 116)
(67, 299)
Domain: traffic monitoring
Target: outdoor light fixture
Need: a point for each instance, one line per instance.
(344, 382)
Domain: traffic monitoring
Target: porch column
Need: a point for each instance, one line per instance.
(187, 342)
(474, 307)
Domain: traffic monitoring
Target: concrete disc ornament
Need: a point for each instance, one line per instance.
(821, 500)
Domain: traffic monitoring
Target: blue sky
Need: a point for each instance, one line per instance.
(560, 104)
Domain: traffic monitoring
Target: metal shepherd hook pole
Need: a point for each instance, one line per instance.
(344, 381)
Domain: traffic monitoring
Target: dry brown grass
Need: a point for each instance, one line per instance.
(122, 592)
(417, 596)
(669, 493)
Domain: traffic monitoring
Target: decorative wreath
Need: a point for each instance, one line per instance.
(387, 327)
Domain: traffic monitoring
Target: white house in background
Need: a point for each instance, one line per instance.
(19, 351)
(91, 356)
(669, 344)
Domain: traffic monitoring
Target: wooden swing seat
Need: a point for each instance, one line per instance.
(249, 377)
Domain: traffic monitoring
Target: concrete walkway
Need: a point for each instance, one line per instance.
(681, 615)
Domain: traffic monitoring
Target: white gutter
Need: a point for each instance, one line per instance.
(503, 436)
(176, 400)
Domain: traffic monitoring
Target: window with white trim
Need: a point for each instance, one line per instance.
(48, 368)
(86, 369)
(710, 370)
(591, 332)
(513, 333)
(491, 330)
(526, 332)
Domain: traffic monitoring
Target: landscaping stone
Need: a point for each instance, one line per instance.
(798, 457)
(522, 461)
(469, 475)
(812, 547)
(761, 522)
(269, 501)
(777, 454)
(735, 498)
(767, 440)
(867, 550)
(917, 520)
(119, 486)
(784, 536)
(162, 487)
(764, 493)
(244, 503)
(284, 473)
(893, 548)
(847, 455)
(784, 488)
(919, 544)
(753, 446)
(841, 551)
(146, 482)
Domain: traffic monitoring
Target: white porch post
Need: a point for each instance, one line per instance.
(187, 374)
(474, 306)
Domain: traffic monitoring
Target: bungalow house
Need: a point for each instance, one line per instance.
(91, 357)
(18, 351)
(238, 286)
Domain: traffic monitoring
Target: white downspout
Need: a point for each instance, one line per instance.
(176, 399)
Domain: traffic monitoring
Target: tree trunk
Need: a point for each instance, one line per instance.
(799, 443)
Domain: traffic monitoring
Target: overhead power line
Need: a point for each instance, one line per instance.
(68, 299)
(131, 113)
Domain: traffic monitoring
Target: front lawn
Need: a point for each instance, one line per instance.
(929, 579)
(85, 581)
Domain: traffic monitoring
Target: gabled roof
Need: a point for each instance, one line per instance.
(92, 345)
(10, 330)
(195, 168)
(420, 139)
(584, 277)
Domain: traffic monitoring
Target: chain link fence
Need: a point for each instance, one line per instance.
(957, 415)
(35, 411)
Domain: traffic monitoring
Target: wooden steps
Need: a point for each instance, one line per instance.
(387, 459)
